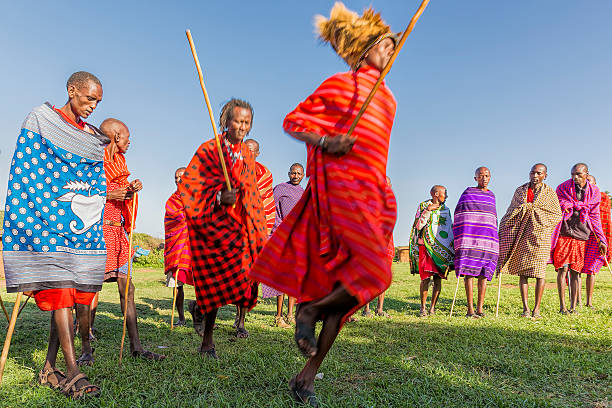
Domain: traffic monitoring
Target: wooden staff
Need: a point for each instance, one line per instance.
(9, 335)
(498, 294)
(384, 72)
(454, 297)
(8, 319)
(174, 300)
(605, 256)
(24, 305)
(501, 267)
(210, 112)
(127, 283)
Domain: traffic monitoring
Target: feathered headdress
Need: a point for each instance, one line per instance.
(352, 36)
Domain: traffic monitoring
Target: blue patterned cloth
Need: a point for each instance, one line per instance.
(53, 215)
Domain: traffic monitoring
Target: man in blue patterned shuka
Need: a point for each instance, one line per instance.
(53, 242)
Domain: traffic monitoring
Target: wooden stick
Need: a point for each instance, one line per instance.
(127, 282)
(9, 335)
(210, 112)
(605, 256)
(498, 294)
(174, 300)
(8, 319)
(454, 297)
(608, 265)
(384, 72)
(24, 305)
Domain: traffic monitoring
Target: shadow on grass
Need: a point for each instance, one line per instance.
(506, 362)
(462, 363)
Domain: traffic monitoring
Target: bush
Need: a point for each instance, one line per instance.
(154, 260)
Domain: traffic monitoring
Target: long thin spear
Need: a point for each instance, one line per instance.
(8, 319)
(384, 72)
(605, 256)
(498, 293)
(454, 297)
(9, 335)
(210, 112)
(127, 282)
(23, 306)
(174, 299)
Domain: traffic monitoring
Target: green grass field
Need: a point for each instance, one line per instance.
(405, 361)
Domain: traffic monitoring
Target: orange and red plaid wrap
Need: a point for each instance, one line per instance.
(266, 190)
(340, 229)
(224, 241)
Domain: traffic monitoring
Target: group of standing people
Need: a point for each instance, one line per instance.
(569, 228)
(70, 205)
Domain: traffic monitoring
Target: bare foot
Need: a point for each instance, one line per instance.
(305, 330)
(148, 355)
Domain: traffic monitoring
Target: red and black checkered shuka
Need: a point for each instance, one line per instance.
(224, 241)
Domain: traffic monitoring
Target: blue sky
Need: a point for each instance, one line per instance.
(501, 84)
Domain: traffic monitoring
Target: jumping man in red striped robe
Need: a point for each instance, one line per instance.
(331, 251)
(177, 256)
(226, 227)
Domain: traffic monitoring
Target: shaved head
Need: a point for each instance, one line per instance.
(81, 78)
(253, 146)
(592, 179)
(579, 166)
(541, 164)
(253, 143)
(118, 133)
(111, 127)
(178, 174)
(438, 194)
(437, 188)
(481, 168)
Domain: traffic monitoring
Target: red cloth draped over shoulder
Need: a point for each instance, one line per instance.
(593, 262)
(81, 124)
(266, 190)
(340, 229)
(116, 174)
(177, 253)
(224, 241)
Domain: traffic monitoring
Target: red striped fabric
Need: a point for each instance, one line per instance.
(117, 172)
(264, 185)
(592, 260)
(340, 229)
(177, 254)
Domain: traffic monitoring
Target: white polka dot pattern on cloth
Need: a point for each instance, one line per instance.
(53, 193)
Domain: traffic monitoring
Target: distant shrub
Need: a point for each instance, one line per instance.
(155, 259)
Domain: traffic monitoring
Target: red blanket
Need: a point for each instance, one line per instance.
(177, 255)
(264, 184)
(340, 229)
(592, 260)
(224, 240)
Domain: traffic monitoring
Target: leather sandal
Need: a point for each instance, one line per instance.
(55, 382)
(71, 390)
